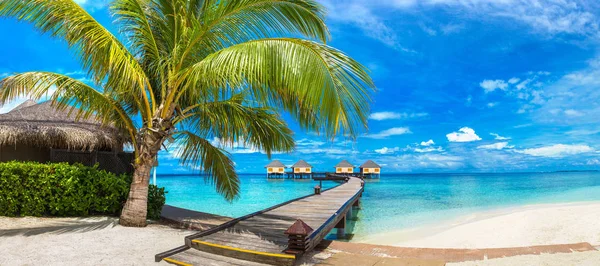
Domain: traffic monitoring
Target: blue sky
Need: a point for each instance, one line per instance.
(463, 85)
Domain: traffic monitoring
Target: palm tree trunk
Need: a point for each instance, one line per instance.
(135, 210)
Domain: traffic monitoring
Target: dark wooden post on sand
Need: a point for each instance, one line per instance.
(298, 237)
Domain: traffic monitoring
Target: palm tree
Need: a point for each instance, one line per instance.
(184, 72)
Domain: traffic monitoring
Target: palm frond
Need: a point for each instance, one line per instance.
(218, 168)
(225, 23)
(235, 123)
(100, 52)
(323, 88)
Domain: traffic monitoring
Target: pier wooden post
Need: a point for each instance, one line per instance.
(356, 204)
(341, 228)
(298, 237)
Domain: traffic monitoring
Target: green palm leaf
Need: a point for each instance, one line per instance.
(257, 127)
(325, 89)
(214, 162)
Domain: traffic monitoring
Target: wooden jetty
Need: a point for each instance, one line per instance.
(277, 235)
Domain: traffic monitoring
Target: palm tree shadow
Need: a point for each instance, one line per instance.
(62, 227)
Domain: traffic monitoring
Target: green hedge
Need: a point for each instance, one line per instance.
(61, 189)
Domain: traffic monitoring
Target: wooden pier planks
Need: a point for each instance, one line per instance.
(260, 238)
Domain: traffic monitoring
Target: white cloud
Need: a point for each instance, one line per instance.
(495, 146)
(571, 112)
(395, 131)
(384, 116)
(557, 150)
(452, 28)
(386, 150)
(428, 149)
(361, 14)
(465, 134)
(309, 142)
(523, 84)
(593, 162)
(498, 137)
(244, 150)
(492, 85)
(491, 105)
(328, 151)
(379, 116)
(430, 31)
(583, 132)
(421, 161)
(427, 143)
(546, 17)
(513, 80)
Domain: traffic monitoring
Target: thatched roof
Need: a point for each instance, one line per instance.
(370, 164)
(345, 164)
(23, 105)
(301, 164)
(275, 163)
(42, 125)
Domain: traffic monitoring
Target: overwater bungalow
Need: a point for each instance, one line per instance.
(301, 169)
(370, 169)
(275, 169)
(43, 133)
(344, 167)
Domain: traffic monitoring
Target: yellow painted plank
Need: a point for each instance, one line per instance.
(176, 262)
(245, 250)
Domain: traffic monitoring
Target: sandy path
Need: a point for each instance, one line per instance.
(82, 241)
(521, 226)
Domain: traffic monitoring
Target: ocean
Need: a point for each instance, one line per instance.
(396, 201)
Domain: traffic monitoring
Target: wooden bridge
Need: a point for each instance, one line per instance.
(275, 236)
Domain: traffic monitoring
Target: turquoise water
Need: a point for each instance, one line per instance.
(397, 202)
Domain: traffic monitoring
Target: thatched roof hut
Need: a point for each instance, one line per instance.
(370, 167)
(275, 167)
(301, 164)
(275, 163)
(302, 167)
(345, 164)
(44, 126)
(370, 164)
(344, 167)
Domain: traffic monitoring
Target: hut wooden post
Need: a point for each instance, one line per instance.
(298, 237)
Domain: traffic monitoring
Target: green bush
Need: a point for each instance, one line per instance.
(156, 200)
(61, 189)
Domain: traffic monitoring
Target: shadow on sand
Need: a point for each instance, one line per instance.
(78, 225)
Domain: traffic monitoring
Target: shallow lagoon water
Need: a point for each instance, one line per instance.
(397, 201)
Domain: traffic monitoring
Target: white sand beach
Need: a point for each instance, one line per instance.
(530, 225)
(101, 241)
(83, 241)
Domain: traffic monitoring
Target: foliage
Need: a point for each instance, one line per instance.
(61, 189)
(194, 71)
(156, 200)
